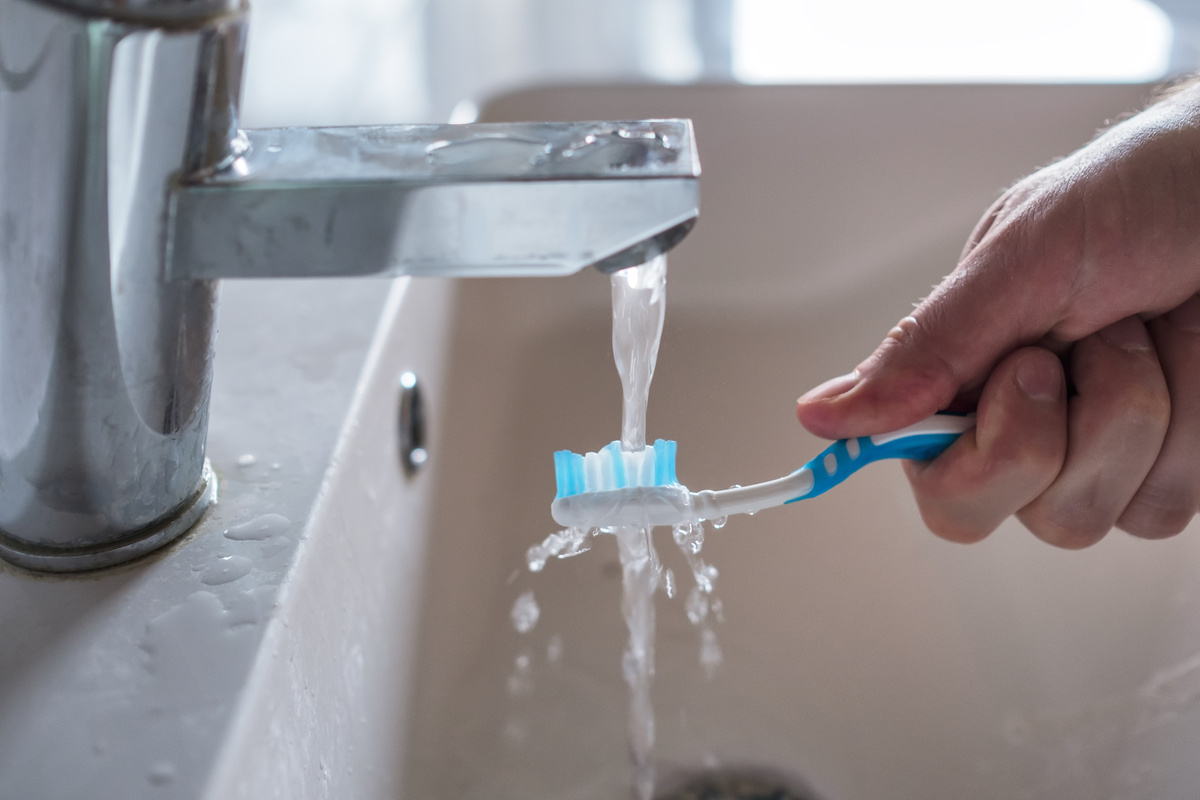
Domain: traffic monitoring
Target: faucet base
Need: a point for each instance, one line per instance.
(135, 545)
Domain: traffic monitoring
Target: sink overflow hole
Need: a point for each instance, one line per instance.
(413, 454)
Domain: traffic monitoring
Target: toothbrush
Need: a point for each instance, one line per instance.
(613, 488)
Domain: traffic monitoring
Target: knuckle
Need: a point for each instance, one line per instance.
(953, 529)
(1077, 533)
(1159, 512)
(956, 517)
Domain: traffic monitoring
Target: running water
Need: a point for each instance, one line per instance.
(639, 298)
(639, 304)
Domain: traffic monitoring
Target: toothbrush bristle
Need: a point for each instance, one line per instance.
(613, 468)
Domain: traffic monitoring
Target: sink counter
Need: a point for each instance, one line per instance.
(238, 662)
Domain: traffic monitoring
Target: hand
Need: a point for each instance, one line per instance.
(1072, 322)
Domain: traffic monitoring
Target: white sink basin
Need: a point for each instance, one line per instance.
(863, 656)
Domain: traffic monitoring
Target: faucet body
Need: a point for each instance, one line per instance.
(127, 190)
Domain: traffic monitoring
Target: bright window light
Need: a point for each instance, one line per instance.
(789, 41)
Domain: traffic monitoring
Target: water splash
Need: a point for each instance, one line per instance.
(689, 538)
(564, 544)
(525, 613)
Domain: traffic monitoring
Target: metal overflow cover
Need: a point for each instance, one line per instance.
(412, 425)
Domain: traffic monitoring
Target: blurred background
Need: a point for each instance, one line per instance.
(334, 62)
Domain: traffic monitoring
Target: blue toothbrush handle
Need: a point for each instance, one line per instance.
(922, 441)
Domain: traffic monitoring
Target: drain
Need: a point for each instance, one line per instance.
(736, 785)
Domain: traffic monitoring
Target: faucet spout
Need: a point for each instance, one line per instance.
(438, 200)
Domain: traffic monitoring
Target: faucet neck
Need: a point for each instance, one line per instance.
(106, 368)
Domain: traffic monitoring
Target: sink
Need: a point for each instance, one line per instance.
(863, 657)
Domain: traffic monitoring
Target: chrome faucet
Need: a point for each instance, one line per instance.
(127, 189)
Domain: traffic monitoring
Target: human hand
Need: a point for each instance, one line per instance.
(1083, 275)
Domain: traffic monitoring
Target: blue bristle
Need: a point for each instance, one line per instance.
(562, 472)
(664, 462)
(559, 474)
(568, 473)
(578, 478)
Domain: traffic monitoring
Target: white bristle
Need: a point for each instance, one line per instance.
(593, 471)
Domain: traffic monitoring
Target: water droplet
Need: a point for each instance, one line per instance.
(161, 774)
(500, 154)
(275, 545)
(554, 649)
(259, 528)
(516, 732)
(689, 537)
(696, 606)
(711, 657)
(719, 522)
(247, 460)
(520, 682)
(525, 613)
(227, 569)
(564, 544)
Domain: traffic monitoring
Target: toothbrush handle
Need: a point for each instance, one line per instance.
(840, 460)
(921, 441)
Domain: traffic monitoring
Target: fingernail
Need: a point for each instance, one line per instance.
(831, 388)
(1040, 379)
(1127, 334)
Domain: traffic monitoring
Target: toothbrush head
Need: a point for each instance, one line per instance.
(617, 488)
(614, 468)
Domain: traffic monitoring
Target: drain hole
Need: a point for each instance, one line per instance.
(737, 785)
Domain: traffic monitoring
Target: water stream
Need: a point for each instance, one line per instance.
(639, 298)
(639, 305)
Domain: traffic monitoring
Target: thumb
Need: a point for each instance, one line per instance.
(950, 344)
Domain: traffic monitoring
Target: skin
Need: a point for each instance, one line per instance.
(1072, 324)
